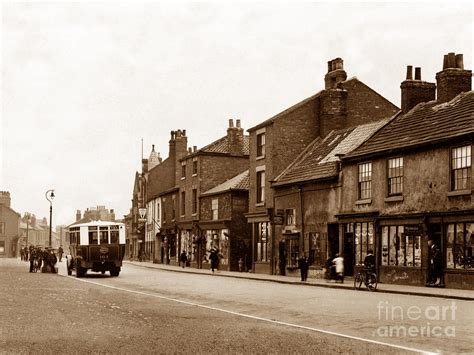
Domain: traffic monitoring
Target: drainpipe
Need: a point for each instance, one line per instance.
(300, 190)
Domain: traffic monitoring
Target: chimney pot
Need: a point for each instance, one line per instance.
(172, 135)
(445, 61)
(184, 133)
(152, 147)
(451, 60)
(190, 150)
(459, 61)
(194, 148)
(417, 73)
(237, 123)
(409, 72)
(329, 66)
(231, 123)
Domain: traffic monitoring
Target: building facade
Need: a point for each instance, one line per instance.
(9, 227)
(201, 170)
(276, 142)
(412, 182)
(223, 226)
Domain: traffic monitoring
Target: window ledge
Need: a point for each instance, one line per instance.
(195, 174)
(260, 157)
(183, 178)
(396, 198)
(459, 193)
(260, 204)
(366, 201)
(194, 214)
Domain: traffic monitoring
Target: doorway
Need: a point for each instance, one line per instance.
(348, 253)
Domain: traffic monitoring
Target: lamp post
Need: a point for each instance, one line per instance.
(27, 227)
(50, 199)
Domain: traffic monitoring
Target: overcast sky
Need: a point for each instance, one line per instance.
(83, 83)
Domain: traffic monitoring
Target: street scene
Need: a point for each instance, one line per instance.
(236, 177)
(161, 311)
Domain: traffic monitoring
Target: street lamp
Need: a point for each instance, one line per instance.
(50, 199)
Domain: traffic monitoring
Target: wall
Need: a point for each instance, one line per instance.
(426, 184)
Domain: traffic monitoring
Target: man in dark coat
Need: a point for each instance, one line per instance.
(214, 258)
(183, 258)
(434, 273)
(303, 265)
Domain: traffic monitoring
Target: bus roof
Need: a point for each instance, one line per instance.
(97, 223)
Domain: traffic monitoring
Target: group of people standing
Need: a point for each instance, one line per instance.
(41, 259)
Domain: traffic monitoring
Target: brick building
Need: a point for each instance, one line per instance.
(9, 227)
(199, 171)
(276, 142)
(223, 225)
(161, 199)
(412, 181)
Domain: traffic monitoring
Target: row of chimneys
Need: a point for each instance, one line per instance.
(450, 82)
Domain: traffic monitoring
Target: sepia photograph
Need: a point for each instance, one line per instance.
(236, 177)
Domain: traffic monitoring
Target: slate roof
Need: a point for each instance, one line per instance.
(319, 159)
(239, 182)
(426, 123)
(221, 146)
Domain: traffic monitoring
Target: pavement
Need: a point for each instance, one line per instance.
(465, 295)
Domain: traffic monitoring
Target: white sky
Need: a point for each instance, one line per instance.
(83, 83)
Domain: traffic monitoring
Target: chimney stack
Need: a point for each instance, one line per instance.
(78, 215)
(5, 198)
(235, 138)
(335, 74)
(415, 91)
(453, 79)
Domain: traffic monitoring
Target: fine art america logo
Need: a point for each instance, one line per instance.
(415, 321)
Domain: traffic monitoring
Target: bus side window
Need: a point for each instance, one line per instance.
(104, 235)
(114, 235)
(93, 237)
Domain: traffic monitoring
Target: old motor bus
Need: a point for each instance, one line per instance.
(98, 246)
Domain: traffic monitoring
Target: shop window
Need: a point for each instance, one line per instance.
(395, 176)
(401, 246)
(460, 241)
(292, 253)
(365, 181)
(461, 168)
(317, 248)
(262, 234)
(363, 240)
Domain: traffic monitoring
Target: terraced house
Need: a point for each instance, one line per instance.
(412, 181)
(276, 142)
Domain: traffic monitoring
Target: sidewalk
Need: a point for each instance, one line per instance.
(464, 295)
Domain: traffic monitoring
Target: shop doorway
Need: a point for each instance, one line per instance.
(348, 253)
(333, 240)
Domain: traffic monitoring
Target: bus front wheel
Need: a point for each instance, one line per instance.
(115, 271)
(80, 271)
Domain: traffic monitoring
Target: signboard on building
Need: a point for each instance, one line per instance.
(142, 215)
(278, 220)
